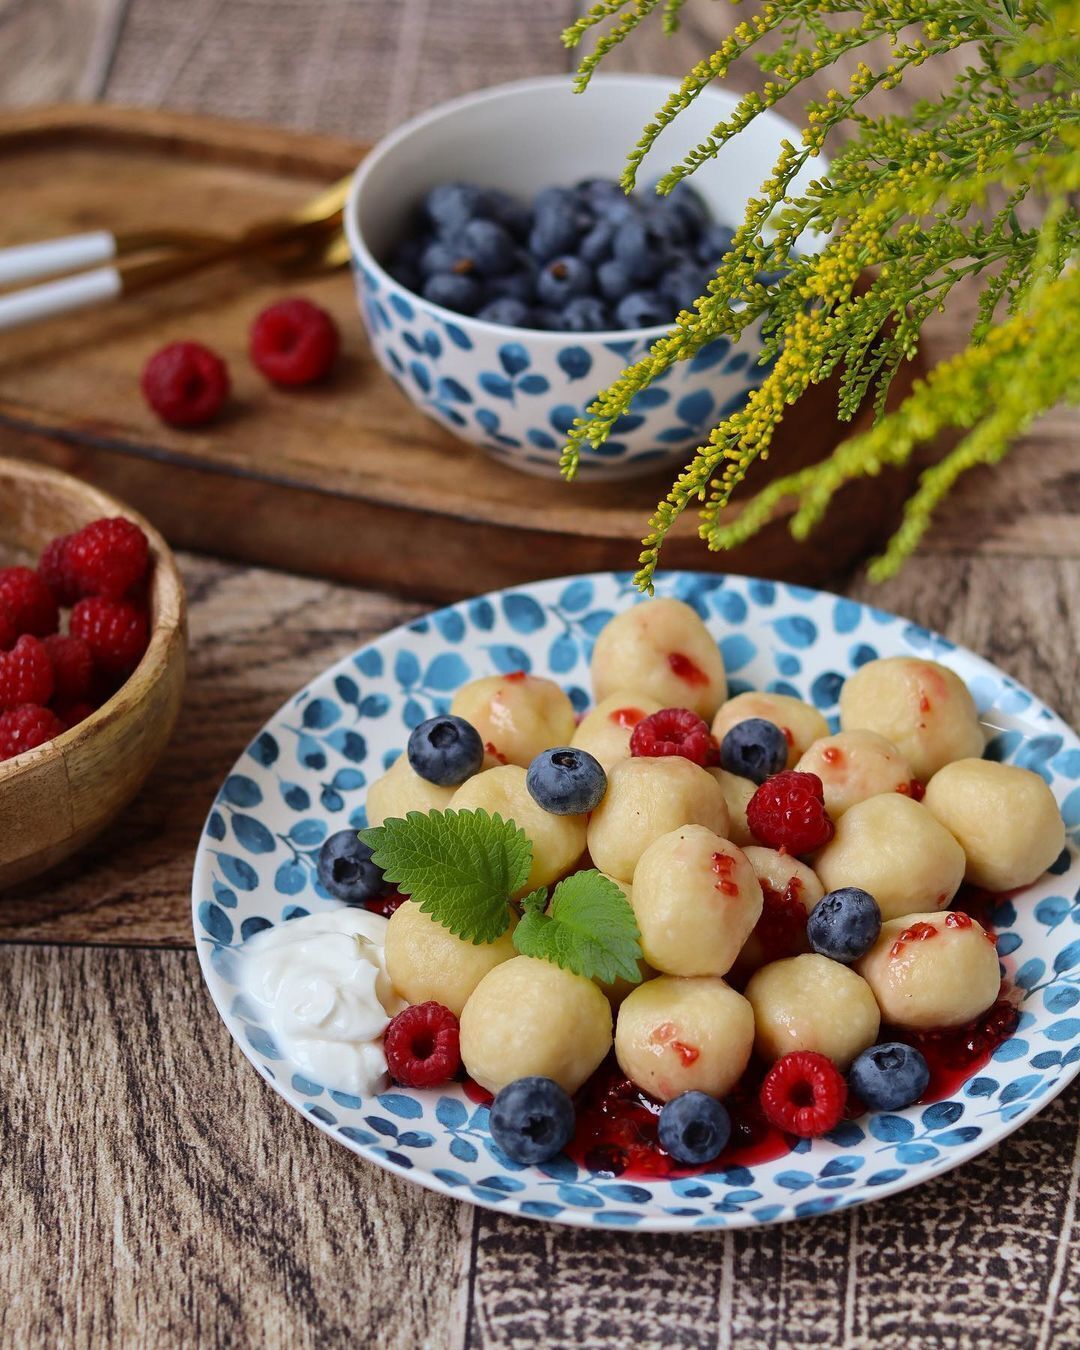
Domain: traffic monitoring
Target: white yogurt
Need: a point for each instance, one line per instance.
(321, 982)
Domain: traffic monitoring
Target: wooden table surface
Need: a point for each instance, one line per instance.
(153, 1190)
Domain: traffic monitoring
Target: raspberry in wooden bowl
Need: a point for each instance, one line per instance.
(95, 673)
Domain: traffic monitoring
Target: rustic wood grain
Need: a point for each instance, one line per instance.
(56, 49)
(351, 459)
(172, 1199)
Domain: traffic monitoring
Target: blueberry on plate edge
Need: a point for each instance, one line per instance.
(531, 1119)
(694, 1128)
(889, 1077)
(345, 869)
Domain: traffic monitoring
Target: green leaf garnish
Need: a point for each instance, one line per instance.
(591, 929)
(461, 867)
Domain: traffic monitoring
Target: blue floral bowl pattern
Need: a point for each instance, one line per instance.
(305, 775)
(517, 393)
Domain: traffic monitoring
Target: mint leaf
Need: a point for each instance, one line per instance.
(591, 929)
(461, 867)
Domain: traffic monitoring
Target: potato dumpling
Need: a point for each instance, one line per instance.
(646, 798)
(737, 794)
(605, 731)
(618, 989)
(531, 1017)
(677, 1034)
(517, 715)
(894, 848)
(661, 648)
(557, 841)
(922, 707)
(425, 960)
(811, 1003)
(1005, 818)
(932, 970)
(783, 879)
(854, 765)
(800, 723)
(696, 899)
(401, 790)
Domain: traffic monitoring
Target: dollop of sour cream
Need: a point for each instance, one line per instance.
(322, 985)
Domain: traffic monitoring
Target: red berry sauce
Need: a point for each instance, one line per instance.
(913, 789)
(626, 717)
(516, 676)
(722, 863)
(386, 904)
(958, 1053)
(686, 670)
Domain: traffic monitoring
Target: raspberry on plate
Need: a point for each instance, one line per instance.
(294, 342)
(115, 630)
(788, 812)
(422, 1046)
(804, 1093)
(672, 731)
(30, 603)
(73, 667)
(26, 727)
(185, 383)
(26, 674)
(106, 557)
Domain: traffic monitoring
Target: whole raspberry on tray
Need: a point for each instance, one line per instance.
(25, 728)
(106, 557)
(186, 384)
(788, 812)
(29, 601)
(26, 674)
(804, 1093)
(294, 342)
(115, 630)
(73, 667)
(672, 731)
(422, 1046)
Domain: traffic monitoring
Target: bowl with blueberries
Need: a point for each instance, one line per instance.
(504, 277)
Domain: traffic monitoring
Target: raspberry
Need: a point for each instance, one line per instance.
(385, 904)
(106, 557)
(294, 342)
(9, 629)
(26, 674)
(54, 571)
(788, 811)
(804, 1093)
(71, 714)
(422, 1047)
(115, 631)
(73, 667)
(185, 383)
(672, 731)
(26, 727)
(29, 601)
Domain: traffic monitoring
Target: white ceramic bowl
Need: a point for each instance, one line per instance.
(515, 390)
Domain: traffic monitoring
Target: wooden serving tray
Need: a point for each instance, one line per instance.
(346, 481)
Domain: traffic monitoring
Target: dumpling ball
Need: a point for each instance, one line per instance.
(801, 723)
(812, 1003)
(662, 648)
(922, 707)
(517, 715)
(401, 790)
(605, 731)
(854, 765)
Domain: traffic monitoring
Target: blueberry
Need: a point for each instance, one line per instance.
(406, 274)
(686, 202)
(562, 279)
(508, 311)
(345, 869)
(844, 924)
(889, 1077)
(531, 1119)
(682, 285)
(453, 290)
(613, 281)
(586, 314)
(600, 193)
(596, 246)
(713, 244)
(668, 225)
(508, 212)
(694, 1128)
(640, 249)
(642, 309)
(566, 781)
(445, 750)
(490, 247)
(754, 749)
(559, 222)
(451, 206)
(547, 320)
(446, 255)
(517, 285)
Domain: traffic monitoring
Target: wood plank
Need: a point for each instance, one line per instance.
(56, 50)
(157, 1192)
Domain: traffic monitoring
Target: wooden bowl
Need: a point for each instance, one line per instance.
(56, 798)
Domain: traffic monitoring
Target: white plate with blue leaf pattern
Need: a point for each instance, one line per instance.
(305, 774)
